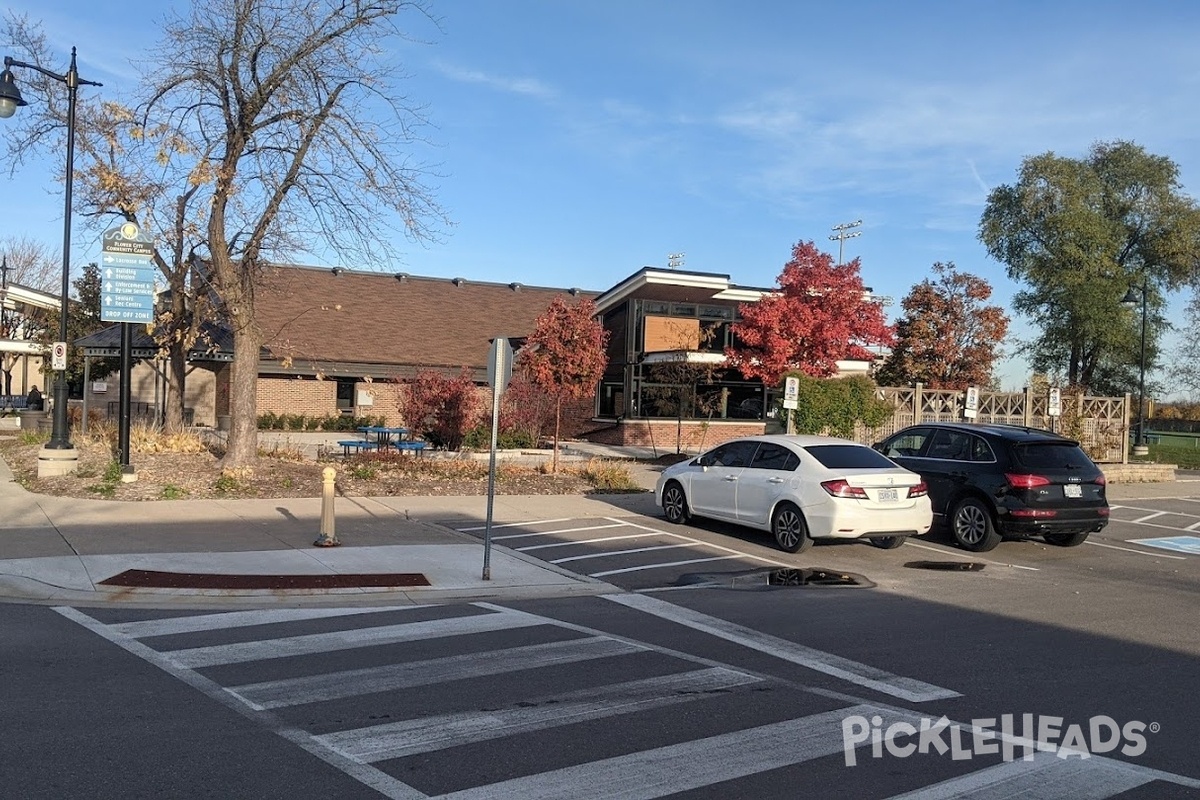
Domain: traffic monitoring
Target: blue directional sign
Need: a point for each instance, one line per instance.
(1180, 544)
(127, 274)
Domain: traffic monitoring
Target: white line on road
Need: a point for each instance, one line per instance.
(984, 560)
(771, 561)
(1150, 516)
(610, 553)
(238, 619)
(554, 533)
(597, 540)
(1129, 550)
(667, 564)
(514, 524)
(861, 674)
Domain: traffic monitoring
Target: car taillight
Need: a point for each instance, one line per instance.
(920, 490)
(1025, 481)
(1101, 481)
(1036, 513)
(840, 488)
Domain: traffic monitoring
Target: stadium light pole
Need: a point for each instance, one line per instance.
(845, 231)
(1130, 300)
(10, 101)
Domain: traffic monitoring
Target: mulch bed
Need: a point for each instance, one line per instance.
(144, 578)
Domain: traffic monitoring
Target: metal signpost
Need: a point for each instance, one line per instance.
(1054, 407)
(500, 359)
(126, 296)
(791, 396)
(971, 409)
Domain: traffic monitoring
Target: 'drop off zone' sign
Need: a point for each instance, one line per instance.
(127, 275)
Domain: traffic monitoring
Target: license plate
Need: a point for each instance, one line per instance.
(1072, 490)
(888, 496)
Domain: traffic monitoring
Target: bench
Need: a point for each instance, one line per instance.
(12, 402)
(410, 447)
(356, 445)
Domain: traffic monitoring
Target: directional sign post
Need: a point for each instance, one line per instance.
(500, 358)
(127, 275)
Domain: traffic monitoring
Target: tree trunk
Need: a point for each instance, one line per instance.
(557, 425)
(242, 446)
(176, 385)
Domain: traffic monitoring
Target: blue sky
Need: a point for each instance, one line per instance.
(579, 141)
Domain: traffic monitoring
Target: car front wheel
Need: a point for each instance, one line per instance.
(1065, 539)
(973, 526)
(887, 542)
(790, 529)
(674, 503)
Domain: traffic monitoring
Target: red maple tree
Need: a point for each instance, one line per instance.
(819, 315)
(565, 355)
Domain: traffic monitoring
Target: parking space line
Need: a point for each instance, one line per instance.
(1154, 515)
(771, 561)
(608, 553)
(667, 564)
(1139, 552)
(514, 524)
(984, 560)
(586, 541)
(553, 533)
(1193, 526)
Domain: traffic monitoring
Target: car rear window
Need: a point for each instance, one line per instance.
(1051, 455)
(848, 456)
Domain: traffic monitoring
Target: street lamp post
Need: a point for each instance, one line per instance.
(845, 231)
(10, 101)
(1130, 300)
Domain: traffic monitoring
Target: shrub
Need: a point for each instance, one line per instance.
(441, 409)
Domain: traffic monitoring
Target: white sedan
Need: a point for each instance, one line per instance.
(799, 488)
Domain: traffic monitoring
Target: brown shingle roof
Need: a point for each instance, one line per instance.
(314, 315)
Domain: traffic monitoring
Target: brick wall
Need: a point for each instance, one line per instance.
(307, 396)
(663, 434)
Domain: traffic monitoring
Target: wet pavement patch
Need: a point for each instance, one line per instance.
(151, 579)
(812, 577)
(947, 566)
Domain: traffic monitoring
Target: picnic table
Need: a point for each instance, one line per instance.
(357, 446)
(383, 435)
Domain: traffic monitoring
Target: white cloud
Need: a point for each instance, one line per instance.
(524, 86)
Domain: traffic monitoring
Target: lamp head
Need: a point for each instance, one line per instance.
(10, 95)
(1131, 299)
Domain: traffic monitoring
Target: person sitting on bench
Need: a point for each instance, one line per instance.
(33, 401)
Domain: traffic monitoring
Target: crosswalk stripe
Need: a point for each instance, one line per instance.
(142, 629)
(241, 652)
(399, 739)
(1047, 775)
(682, 767)
(861, 674)
(351, 683)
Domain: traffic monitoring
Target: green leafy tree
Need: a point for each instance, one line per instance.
(1079, 233)
(833, 406)
(565, 356)
(948, 337)
(83, 318)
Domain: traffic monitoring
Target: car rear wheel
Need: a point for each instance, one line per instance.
(887, 542)
(790, 529)
(1065, 539)
(973, 526)
(674, 503)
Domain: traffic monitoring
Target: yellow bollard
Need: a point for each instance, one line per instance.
(327, 537)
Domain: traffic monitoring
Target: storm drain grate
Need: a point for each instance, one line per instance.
(947, 566)
(151, 579)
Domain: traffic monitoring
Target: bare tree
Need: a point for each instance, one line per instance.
(32, 264)
(299, 142)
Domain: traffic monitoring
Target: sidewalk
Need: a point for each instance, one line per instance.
(59, 550)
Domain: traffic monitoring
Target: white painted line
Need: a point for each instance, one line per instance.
(1193, 526)
(610, 553)
(406, 675)
(241, 652)
(686, 766)
(238, 619)
(365, 774)
(959, 553)
(597, 540)
(1129, 550)
(1046, 776)
(429, 734)
(515, 524)
(659, 566)
(772, 561)
(554, 533)
(1150, 516)
(862, 674)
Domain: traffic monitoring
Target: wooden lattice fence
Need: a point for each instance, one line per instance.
(1100, 424)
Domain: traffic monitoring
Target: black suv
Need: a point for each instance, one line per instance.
(992, 481)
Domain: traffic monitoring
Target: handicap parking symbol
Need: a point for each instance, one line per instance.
(1180, 544)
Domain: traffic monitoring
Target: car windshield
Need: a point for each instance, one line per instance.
(848, 456)
(1051, 455)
